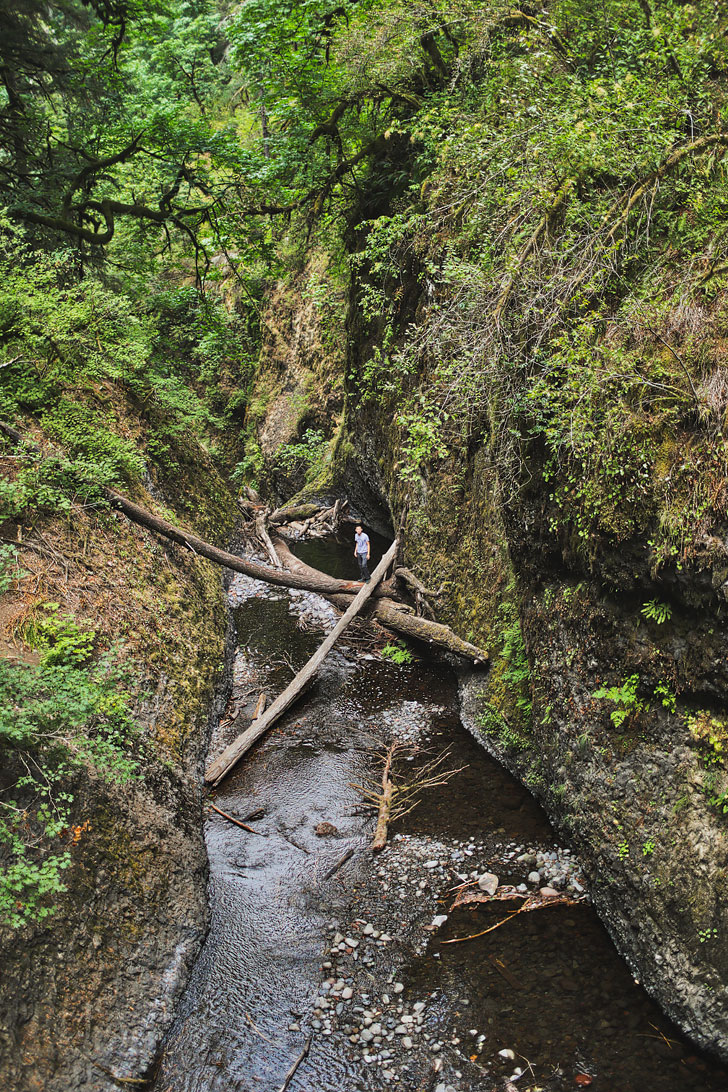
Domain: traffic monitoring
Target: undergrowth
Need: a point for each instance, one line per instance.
(70, 711)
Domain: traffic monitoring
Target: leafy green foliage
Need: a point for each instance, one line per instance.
(398, 653)
(58, 637)
(544, 201)
(624, 697)
(86, 73)
(303, 456)
(655, 611)
(82, 358)
(56, 717)
(10, 569)
(710, 732)
(666, 696)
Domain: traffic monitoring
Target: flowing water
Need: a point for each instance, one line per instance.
(356, 959)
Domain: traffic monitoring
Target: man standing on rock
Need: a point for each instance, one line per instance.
(362, 550)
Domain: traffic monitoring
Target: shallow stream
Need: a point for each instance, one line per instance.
(357, 960)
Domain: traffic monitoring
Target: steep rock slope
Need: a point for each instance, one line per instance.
(112, 658)
(606, 693)
(88, 991)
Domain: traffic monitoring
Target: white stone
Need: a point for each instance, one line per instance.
(488, 882)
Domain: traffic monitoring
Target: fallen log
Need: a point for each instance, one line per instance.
(436, 634)
(299, 576)
(313, 580)
(387, 611)
(421, 593)
(262, 533)
(232, 753)
(295, 512)
(293, 564)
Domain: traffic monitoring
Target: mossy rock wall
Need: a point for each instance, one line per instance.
(634, 801)
(87, 994)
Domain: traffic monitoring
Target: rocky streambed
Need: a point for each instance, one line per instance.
(315, 941)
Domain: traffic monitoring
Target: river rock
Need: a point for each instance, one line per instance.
(488, 882)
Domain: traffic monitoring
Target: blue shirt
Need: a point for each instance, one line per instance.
(362, 542)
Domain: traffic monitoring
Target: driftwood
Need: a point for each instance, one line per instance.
(421, 593)
(533, 900)
(391, 614)
(259, 707)
(294, 513)
(398, 618)
(339, 864)
(313, 581)
(291, 1072)
(396, 799)
(309, 519)
(385, 804)
(238, 822)
(222, 765)
(262, 532)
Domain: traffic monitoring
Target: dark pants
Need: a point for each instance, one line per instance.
(363, 566)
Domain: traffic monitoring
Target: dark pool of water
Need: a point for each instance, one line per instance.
(335, 555)
(549, 985)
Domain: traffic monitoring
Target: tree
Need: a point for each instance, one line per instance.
(103, 121)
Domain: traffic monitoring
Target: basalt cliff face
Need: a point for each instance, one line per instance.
(606, 692)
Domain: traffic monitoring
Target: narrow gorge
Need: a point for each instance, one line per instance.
(456, 272)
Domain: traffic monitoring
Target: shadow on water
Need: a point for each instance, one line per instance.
(548, 986)
(335, 555)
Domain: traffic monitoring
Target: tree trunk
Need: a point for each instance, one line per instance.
(262, 532)
(393, 615)
(222, 765)
(385, 805)
(297, 574)
(312, 581)
(296, 512)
